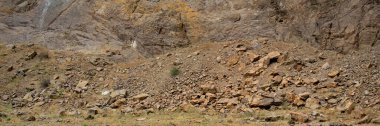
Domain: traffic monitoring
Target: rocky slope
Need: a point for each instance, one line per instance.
(304, 61)
(231, 77)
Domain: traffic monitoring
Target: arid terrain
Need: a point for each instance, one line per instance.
(182, 62)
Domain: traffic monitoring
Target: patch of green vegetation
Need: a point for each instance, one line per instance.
(174, 71)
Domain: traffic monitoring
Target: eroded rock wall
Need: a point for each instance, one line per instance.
(158, 25)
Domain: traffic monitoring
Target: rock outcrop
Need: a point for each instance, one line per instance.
(153, 26)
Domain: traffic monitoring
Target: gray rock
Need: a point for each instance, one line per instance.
(259, 101)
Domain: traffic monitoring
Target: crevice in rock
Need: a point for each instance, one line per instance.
(63, 11)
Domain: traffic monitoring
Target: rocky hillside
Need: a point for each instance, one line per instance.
(190, 62)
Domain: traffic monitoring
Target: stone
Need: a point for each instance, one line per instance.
(366, 119)
(259, 101)
(210, 96)
(218, 59)
(345, 106)
(312, 103)
(331, 85)
(93, 111)
(272, 118)
(223, 101)
(228, 102)
(299, 117)
(208, 88)
(141, 97)
(376, 120)
(28, 118)
(241, 47)
(89, 117)
(177, 62)
(72, 113)
(105, 93)
(290, 97)
(274, 54)
(31, 55)
(29, 96)
(271, 57)
(5, 97)
(332, 101)
(31, 118)
(62, 113)
(121, 93)
(252, 57)
(187, 107)
(337, 124)
(256, 71)
(277, 80)
(10, 46)
(300, 90)
(304, 95)
(39, 103)
(82, 85)
(118, 103)
(233, 60)
(10, 68)
(298, 101)
(127, 110)
(140, 119)
(333, 73)
(326, 66)
(310, 81)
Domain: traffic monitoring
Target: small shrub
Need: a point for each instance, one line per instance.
(45, 83)
(174, 72)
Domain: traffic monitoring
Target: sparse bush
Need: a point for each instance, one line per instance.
(45, 83)
(174, 72)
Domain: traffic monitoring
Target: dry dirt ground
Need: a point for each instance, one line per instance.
(261, 82)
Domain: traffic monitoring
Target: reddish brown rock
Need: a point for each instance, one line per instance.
(256, 71)
(253, 57)
(271, 57)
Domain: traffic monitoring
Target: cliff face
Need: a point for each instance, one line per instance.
(158, 25)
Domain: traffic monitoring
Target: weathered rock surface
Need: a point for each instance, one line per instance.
(155, 26)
